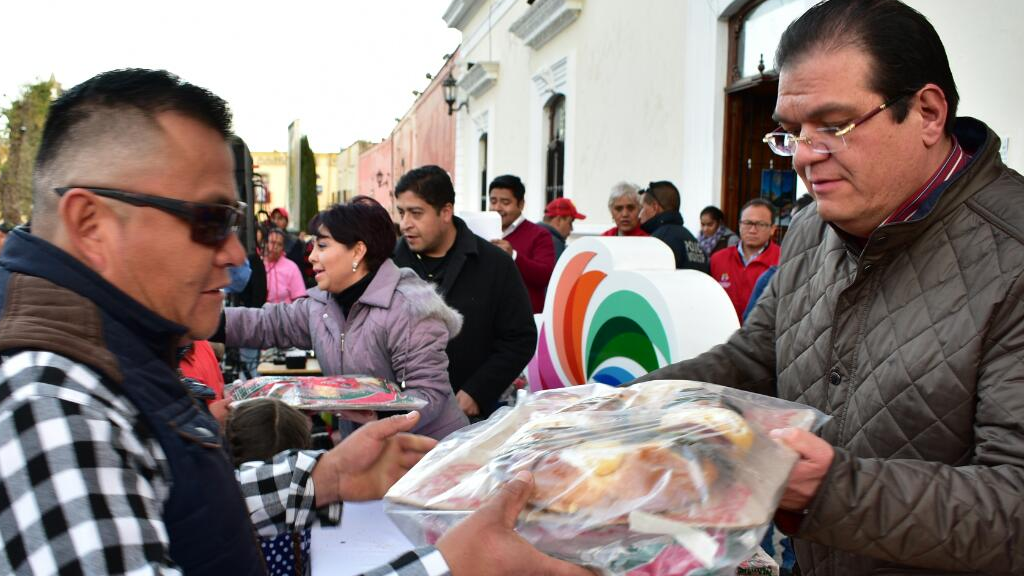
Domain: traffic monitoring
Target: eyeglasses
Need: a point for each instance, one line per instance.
(753, 224)
(828, 140)
(211, 223)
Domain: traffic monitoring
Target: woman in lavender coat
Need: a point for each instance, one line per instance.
(365, 316)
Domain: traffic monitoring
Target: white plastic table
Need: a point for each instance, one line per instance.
(367, 538)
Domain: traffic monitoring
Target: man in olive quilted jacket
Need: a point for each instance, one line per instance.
(896, 309)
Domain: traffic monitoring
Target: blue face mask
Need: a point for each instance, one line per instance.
(239, 278)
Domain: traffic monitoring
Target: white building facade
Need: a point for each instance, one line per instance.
(574, 96)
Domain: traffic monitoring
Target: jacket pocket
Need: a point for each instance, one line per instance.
(196, 426)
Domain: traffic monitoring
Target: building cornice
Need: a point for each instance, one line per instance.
(552, 79)
(479, 78)
(459, 12)
(481, 122)
(544, 20)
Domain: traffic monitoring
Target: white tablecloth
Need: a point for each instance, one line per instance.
(366, 539)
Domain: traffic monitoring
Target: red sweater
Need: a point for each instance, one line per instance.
(739, 280)
(535, 258)
(638, 231)
(201, 364)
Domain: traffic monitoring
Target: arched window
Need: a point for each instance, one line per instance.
(757, 28)
(554, 182)
(482, 163)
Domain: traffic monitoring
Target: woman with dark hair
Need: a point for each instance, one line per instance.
(714, 234)
(365, 315)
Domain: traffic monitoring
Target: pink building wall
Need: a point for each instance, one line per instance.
(434, 141)
(403, 150)
(425, 135)
(377, 160)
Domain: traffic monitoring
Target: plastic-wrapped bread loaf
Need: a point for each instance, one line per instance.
(676, 475)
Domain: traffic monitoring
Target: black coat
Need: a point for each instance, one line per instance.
(668, 227)
(556, 237)
(255, 293)
(498, 335)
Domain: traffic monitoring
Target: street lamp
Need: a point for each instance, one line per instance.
(450, 94)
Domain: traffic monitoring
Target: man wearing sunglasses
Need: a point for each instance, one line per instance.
(660, 217)
(896, 308)
(107, 466)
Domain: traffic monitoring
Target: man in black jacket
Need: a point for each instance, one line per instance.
(660, 217)
(476, 278)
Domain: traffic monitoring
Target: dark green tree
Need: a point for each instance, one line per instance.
(20, 137)
(307, 184)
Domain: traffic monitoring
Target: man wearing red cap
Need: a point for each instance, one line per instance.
(279, 217)
(558, 218)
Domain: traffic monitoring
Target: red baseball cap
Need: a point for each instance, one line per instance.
(562, 207)
(281, 211)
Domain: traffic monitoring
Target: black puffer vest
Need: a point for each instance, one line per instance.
(133, 348)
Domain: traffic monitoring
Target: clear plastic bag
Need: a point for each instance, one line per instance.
(663, 478)
(327, 393)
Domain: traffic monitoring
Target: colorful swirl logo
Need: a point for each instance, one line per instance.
(616, 309)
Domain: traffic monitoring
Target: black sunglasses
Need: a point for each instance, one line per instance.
(211, 223)
(652, 191)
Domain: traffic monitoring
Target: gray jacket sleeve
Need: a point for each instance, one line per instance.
(273, 325)
(746, 361)
(932, 515)
(419, 360)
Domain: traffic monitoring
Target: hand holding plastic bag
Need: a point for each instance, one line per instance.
(492, 528)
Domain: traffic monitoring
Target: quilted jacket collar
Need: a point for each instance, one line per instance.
(979, 141)
(663, 219)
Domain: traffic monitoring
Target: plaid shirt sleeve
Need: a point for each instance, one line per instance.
(426, 561)
(81, 489)
(280, 496)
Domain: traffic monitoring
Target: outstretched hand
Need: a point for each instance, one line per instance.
(468, 406)
(486, 543)
(370, 460)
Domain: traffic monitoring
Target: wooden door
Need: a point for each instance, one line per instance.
(748, 117)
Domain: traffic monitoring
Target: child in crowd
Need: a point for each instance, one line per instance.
(256, 430)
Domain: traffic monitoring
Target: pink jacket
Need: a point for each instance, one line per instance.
(398, 330)
(284, 280)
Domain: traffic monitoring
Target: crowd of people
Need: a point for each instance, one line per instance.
(893, 305)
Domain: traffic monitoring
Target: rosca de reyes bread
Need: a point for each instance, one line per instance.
(593, 456)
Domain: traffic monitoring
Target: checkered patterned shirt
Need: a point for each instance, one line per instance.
(425, 561)
(83, 482)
